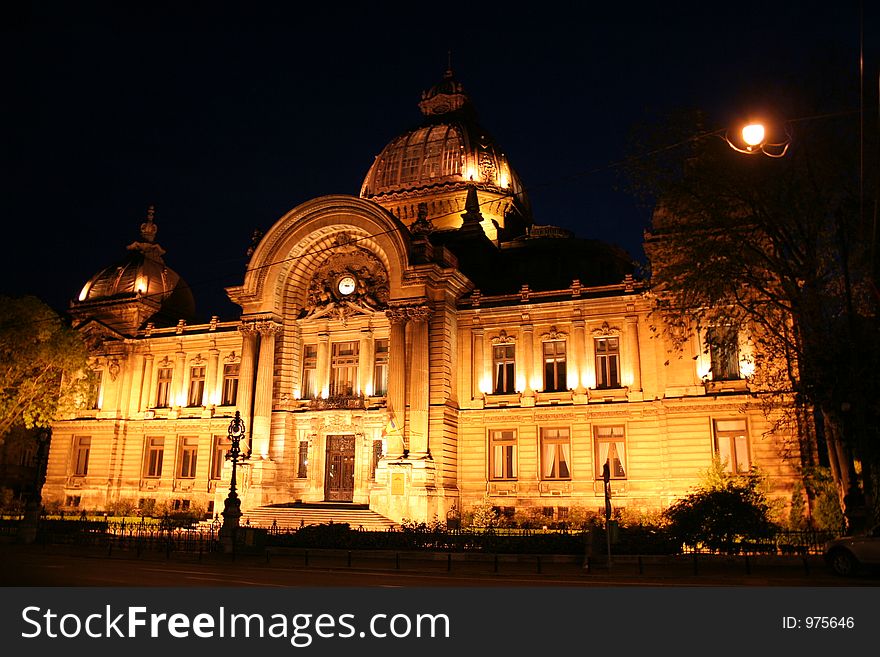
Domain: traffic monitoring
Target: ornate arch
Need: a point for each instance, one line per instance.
(282, 267)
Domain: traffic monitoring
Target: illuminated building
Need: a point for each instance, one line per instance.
(419, 349)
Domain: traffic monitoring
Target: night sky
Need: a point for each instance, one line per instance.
(225, 118)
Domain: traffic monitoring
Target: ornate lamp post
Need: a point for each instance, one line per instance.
(232, 505)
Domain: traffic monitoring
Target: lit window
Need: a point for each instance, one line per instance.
(380, 369)
(555, 454)
(554, 366)
(610, 448)
(163, 389)
(230, 383)
(186, 464)
(723, 353)
(502, 454)
(196, 385)
(94, 400)
(732, 445)
(607, 362)
(344, 369)
(153, 457)
(81, 447)
(309, 371)
(504, 367)
(302, 465)
(218, 458)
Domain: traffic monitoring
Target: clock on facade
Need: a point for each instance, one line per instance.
(346, 285)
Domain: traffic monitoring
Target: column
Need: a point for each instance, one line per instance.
(578, 354)
(365, 362)
(322, 366)
(246, 376)
(419, 383)
(264, 389)
(147, 388)
(397, 379)
(528, 358)
(632, 350)
(212, 385)
(179, 378)
(477, 333)
(133, 401)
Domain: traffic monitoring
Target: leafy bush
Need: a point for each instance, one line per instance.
(722, 514)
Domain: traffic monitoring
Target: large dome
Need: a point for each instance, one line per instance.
(434, 163)
(138, 288)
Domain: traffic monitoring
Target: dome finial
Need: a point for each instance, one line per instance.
(448, 73)
(149, 228)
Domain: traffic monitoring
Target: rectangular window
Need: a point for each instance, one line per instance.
(732, 445)
(94, 400)
(344, 369)
(218, 458)
(186, 462)
(504, 368)
(230, 383)
(153, 457)
(81, 448)
(377, 456)
(723, 343)
(380, 368)
(607, 362)
(502, 454)
(555, 454)
(610, 448)
(196, 386)
(309, 388)
(302, 462)
(163, 389)
(554, 366)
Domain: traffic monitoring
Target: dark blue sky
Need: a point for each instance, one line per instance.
(225, 118)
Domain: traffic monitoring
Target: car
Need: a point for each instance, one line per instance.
(848, 555)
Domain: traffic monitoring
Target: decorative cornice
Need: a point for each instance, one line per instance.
(503, 338)
(606, 330)
(553, 334)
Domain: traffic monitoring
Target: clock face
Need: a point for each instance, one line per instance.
(346, 285)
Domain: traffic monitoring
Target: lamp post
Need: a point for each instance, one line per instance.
(232, 505)
(27, 530)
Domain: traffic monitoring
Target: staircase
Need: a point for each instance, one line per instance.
(293, 516)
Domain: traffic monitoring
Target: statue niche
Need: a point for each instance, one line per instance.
(351, 281)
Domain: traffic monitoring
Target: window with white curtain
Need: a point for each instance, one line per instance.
(555, 454)
(502, 454)
(611, 449)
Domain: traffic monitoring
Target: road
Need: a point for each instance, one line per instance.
(76, 566)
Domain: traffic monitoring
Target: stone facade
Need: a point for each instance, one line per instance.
(369, 367)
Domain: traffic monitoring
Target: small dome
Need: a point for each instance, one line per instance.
(435, 162)
(141, 276)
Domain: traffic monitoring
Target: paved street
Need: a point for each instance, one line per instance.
(75, 566)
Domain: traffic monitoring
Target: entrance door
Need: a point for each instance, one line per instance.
(339, 473)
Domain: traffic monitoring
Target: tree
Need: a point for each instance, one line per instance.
(43, 365)
(780, 251)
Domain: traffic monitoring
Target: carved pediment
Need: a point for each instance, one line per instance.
(95, 333)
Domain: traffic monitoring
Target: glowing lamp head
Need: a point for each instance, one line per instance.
(753, 135)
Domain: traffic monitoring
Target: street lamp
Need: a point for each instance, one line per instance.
(232, 505)
(754, 139)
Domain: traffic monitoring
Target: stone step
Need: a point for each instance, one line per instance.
(292, 517)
